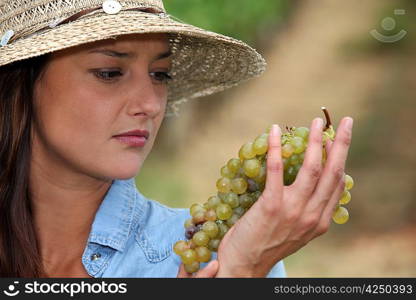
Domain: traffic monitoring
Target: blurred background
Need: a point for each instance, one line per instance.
(354, 57)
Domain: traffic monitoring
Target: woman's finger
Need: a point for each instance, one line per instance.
(209, 271)
(310, 172)
(334, 167)
(273, 189)
(326, 216)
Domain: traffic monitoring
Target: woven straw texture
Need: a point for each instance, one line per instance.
(203, 62)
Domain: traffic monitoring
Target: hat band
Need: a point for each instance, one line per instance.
(85, 13)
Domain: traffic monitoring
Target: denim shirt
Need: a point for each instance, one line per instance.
(133, 236)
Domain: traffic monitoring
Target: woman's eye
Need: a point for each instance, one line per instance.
(108, 75)
(162, 77)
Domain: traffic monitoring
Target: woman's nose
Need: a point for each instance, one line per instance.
(147, 98)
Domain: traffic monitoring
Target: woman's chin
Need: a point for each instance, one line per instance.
(122, 171)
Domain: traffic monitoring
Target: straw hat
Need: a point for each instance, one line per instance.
(203, 62)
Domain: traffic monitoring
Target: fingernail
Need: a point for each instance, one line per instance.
(318, 123)
(276, 130)
(349, 122)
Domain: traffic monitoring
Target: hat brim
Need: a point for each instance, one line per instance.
(204, 62)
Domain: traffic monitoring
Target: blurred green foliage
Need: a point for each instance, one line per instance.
(241, 19)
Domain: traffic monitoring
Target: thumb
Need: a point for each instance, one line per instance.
(209, 271)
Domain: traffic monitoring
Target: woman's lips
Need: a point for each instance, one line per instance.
(132, 140)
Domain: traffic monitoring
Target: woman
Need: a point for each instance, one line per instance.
(84, 88)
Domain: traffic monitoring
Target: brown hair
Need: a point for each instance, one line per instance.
(19, 251)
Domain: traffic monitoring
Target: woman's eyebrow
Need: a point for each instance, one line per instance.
(117, 54)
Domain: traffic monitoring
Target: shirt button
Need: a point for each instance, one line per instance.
(111, 6)
(95, 256)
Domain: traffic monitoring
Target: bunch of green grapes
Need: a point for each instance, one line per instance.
(241, 183)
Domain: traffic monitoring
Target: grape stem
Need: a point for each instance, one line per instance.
(327, 117)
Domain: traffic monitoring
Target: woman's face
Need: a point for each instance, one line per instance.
(90, 93)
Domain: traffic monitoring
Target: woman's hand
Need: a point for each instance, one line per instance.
(286, 218)
(208, 272)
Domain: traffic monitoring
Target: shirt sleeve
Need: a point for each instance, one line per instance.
(277, 271)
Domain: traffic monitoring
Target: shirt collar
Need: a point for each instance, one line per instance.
(117, 215)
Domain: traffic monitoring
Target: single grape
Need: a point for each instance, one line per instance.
(195, 208)
(234, 164)
(224, 211)
(191, 268)
(224, 184)
(223, 228)
(200, 238)
(210, 228)
(190, 231)
(298, 144)
(260, 145)
(345, 198)
(239, 211)
(199, 217)
(189, 256)
(287, 150)
(302, 132)
(251, 167)
(246, 151)
(188, 223)
(349, 182)
(214, 244)
(203, 254)
(180, 247)
(226, 172)
(239, 185)
(340, 215)
(231, 221)
(232, 200)
(252, 185)
(245, 200)
(294, 159)
(211, 215)
(213, 201)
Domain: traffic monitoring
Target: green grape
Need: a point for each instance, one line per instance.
(302, 132)
(345, 198)
(188, 256)
(210, 228)
(340, 215)
(261, 177)
(251, 167)
(180, 247)
(239, 185)
(226, 172)
(213, 201)
(195, 208)
(214, 244)
(188, 223)
(203, 254)
(294, 159)
(191, 268)
(246, 151)
(200, 238)
(232, 200)
(224, 211)
(234, 164)
(261, 144)
(211, 215)
(298, 144)
(199, 217)
(231, 221)
(287, 150)
(239, 210)
(224, 184)
(223, 228)
(245, 201)
(349, 182)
